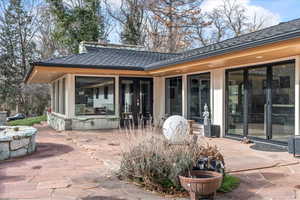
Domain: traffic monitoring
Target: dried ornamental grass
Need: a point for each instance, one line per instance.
(156, 164)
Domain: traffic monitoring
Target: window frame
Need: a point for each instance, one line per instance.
(166, 99)
(188, 96)
(114, 97)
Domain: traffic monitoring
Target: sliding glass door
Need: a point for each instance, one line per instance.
(256, 97)
(198, 95)
(260, 101)
(235, 99)
(283, 101)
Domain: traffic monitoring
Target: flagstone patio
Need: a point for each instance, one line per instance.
(77, 165)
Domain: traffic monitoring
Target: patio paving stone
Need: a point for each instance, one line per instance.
(80, 165)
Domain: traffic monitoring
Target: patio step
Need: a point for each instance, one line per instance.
(197, 129)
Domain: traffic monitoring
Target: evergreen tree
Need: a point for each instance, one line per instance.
(134, 16)
(16, 51)
(80, 22)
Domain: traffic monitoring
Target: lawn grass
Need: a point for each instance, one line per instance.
(28, 121)
(229, 183)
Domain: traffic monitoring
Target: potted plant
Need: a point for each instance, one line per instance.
(201, 183)
(204, 179)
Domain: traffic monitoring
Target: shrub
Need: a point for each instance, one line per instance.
(156, 164)
(28, 121)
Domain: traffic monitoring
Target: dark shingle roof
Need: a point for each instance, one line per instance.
(112, 58)
(280, 32)
(108, 58)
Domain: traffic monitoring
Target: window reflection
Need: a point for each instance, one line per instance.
(198, 95)
(94, 96)
(283, 101)
(235, 84)
(174, 96)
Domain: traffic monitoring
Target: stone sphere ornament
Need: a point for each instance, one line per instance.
(175, 129)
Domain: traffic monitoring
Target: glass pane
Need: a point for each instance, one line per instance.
(235, 83)
(90, 97)
(145, 99)
(283, 102)
(257, 80)
(174, 96)
(127, 95)
(198, 95)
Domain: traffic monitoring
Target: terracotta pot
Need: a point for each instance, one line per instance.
(202, 183)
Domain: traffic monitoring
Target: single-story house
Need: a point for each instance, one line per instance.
(250, 84)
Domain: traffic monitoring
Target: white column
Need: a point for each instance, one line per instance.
(297, 96)
(57, 97)
(184, 96)
(117, 98)
(70, 97)
(60, 95)
(218, 95)
(52, 97)
(158, 99)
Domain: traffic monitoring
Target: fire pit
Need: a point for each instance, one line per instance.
(16, 141)
(202, 183)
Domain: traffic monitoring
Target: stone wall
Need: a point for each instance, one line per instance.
(81, 123)
(95, 123)
(16, 146)
(58, 123)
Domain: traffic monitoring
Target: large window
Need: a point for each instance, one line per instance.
(198, 95)
(174, 96)
(94, 96)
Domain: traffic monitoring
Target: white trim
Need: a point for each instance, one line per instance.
(297, 95)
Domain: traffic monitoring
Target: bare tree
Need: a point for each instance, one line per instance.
(230, 19)
(175, 18)
(154, 36)
(47, 45)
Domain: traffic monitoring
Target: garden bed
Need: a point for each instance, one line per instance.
(156, 165)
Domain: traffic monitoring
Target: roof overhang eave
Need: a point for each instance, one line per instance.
(224, 51)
